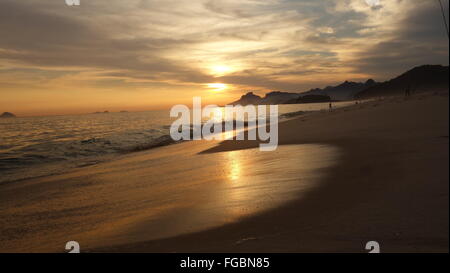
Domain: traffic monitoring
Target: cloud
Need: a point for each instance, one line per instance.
(276, 44)
(417, 38)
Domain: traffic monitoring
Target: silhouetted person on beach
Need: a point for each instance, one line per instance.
(330, 107)
(408, 91)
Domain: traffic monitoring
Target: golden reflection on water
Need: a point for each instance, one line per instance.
(228, 134)
(254, 181)
(234, 165)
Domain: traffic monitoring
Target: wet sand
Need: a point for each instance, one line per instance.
(381, 173)
(157, 194)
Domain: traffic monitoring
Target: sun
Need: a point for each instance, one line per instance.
(220, 70)
(217, 86)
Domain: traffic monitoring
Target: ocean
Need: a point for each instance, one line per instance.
(39, 146)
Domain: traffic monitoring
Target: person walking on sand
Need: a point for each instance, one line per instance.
(330, 107)
(408, 91)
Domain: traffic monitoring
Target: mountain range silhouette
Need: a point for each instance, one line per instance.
(419, 79)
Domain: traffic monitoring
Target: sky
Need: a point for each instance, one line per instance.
(141, 55)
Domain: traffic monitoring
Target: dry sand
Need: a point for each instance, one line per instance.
(390, 185)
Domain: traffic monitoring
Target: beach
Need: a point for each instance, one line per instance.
(380, 173)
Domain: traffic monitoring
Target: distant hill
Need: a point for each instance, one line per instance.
(248, 98)
(419, 79)
(343, 91)
(7, 115)
(277, 97)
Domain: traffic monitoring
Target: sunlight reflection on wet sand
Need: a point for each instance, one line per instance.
(173, 190)
(220, 188)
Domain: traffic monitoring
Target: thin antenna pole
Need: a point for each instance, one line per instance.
(443, 16)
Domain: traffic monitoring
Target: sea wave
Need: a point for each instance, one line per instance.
(47, 145)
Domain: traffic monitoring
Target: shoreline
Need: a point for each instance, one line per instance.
(69, 165)
(373, 194)
(391, 186)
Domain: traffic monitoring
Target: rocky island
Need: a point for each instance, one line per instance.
(7, 115)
